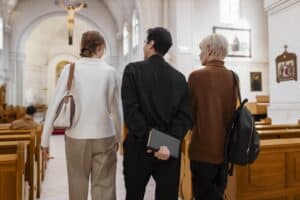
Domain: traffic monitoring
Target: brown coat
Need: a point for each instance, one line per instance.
(24, 123)
(213, 101)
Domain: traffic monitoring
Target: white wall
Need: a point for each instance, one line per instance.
(190, 21)
(283, 29)
(202, 18)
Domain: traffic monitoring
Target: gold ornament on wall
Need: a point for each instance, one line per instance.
(286, 66)
(59, 67)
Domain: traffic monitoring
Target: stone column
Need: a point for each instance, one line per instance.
(15, 84)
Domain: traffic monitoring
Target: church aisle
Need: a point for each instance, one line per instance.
(55, 184)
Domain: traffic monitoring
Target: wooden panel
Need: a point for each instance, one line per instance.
(295, 197)
(293, 169)
(267, 195)
(257, 109)
(8, 181)
(12, 175)
(262, 99)
(267, 173)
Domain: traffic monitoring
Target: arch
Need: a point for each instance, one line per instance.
(32, 24)
(32, 13)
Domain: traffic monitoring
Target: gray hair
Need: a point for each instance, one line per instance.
(216, 45)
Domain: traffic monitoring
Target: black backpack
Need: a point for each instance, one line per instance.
(242, 142)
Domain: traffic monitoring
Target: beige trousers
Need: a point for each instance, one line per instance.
(95, 158)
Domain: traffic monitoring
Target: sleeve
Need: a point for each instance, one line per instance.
(134, 118)
(182, 121)
(116, 107)
(60, 90)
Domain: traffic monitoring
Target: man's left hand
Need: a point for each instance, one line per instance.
(163, 153)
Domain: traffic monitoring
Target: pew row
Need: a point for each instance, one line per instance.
(279, 133)
(12, 170)
(277, 126)
(273, 176)
(40, 161)
(32, 169)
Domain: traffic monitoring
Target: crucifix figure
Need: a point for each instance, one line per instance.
(71, 7)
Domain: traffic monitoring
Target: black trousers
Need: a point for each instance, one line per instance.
(209, 180)
(139, 166)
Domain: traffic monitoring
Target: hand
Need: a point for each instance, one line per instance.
(45, 153)
(149, 151)
(163, 153)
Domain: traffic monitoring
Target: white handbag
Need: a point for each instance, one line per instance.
(67, 108)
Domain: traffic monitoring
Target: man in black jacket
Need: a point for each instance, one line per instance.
(154, 95)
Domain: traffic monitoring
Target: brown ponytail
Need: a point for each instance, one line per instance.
(89, 43)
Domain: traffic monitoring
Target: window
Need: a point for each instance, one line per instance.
(125, 40)
(1, 33)
(230, 11)
(135, 30)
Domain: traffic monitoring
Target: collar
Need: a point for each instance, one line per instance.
(156, 57)
(215, 63)
(92, 60)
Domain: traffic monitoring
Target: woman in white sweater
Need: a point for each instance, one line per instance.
(92, 143)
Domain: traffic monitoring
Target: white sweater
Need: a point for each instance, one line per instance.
(98, 89)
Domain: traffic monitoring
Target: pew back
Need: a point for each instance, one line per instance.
(12, 173)
(273, 176)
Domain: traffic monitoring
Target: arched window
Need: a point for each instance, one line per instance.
(1, 33)
(229, 11)
(125, 40)
(135, 30)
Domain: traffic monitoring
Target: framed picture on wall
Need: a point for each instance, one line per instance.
(239, 41)
(256, 81)
(286, 66)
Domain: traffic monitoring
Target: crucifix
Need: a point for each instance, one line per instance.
(71, 7)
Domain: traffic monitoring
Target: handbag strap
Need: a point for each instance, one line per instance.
(71, 76)
(236, 85)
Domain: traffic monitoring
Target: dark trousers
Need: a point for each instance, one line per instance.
(209, 180)
(139, 166)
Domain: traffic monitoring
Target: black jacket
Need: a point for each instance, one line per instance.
(155, 95)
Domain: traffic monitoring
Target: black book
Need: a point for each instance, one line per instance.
(157, 139)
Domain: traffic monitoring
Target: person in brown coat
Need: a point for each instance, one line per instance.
(213, 105)
(27, 121)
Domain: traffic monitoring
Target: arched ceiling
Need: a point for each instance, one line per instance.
(120, 9)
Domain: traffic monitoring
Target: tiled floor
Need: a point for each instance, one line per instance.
(55, 185)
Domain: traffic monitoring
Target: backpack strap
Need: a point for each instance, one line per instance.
(236, 85)
(71, 76)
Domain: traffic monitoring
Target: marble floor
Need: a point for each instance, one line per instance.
(55, 184)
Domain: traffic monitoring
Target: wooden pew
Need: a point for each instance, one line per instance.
(5, 126)
(279, 133)
(273, 176)
(41, 163)
(12, 169)
(277, 126)
(266, 121)
(31, 158)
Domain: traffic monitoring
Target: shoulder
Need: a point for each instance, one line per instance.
(199, 72)
(131, 67)
(65, 70)
(109, 68)
(177, 74)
